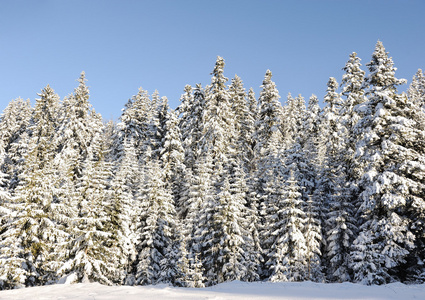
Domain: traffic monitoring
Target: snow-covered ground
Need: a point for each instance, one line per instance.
(232, 290)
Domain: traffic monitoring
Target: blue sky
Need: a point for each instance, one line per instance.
(164, 45)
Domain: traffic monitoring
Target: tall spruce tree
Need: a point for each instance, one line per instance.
(267, 147)
(415, 168)
(124, 208)
(219, 144)
(89, 255)
(34, 233)
(286, 219)
(191, 122)
(311, 125)
(385, 150)
(14, 138)
(416, 91)
(244, 121)
(337, 210)
(134, 122)
(352, 90)
(172, 161)
(156, 232)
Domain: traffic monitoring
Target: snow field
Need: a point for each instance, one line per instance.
(229, 290)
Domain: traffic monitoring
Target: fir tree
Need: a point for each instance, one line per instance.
(416, 91)
(218, 118)
(337, 211)
(190, 122)
(385, 149)
(200, 218)
(230, 234)
(124, 208)
(311, 125)
(14, 138)
(35, 224)
(268, 119)
(244, 121)
(134, 122)
(156, 232)
(286, 219)
(172, 160)
(294, 115)
(89, 256)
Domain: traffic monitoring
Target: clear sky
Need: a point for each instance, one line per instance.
(163, 45)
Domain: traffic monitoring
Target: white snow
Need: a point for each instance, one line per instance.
(231, 290)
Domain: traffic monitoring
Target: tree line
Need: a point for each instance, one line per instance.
(225, 187)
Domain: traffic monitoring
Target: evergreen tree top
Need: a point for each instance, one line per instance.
(313, 108)
(218, 80)
(353, 78)
(267, 77)
(332, 97)
(382, 70)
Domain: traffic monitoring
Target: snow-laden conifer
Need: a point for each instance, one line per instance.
(268, 119)
(230, 242)
(35, 229)
(200, 218)
(124, 207)
(134, 121)
(286, 258)
(352, 90)
(156, 229)
(190, 122)
(218, 118)
(416, 91)
(13, 125)
(294, 114)
(89, 256)
(386, 153)
(172, 160)
(337, 210)
(244, 121)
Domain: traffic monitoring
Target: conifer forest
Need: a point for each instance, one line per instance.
(228, 186)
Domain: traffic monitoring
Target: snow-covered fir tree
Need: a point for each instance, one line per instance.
(172, 160)
(294, 114)
(296, 161)
(286, 258)
(268, 138)
(89, 254)
(191, 122)
(416, 91)
(386, 154)
(311, 125)
(414, 168)
(244, 120)
(134, 122)
(124, 207)
(351, 112)
(337, 211)
(33, 233)
(14, 138)
(156, 229)
(230, 241)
